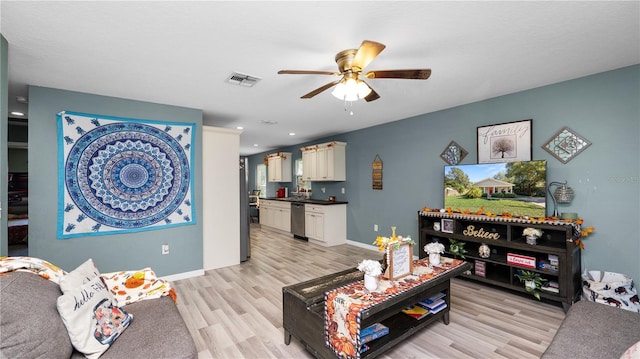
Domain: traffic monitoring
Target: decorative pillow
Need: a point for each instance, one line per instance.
(91, 319)
(79, 276)
(131, 286)
(633, 352)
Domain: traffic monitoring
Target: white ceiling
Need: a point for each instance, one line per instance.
(180, 53)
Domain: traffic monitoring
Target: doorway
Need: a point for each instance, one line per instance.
(18, 188)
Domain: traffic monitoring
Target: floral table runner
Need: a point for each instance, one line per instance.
(344, 305)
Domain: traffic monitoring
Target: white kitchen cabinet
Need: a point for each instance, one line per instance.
(324, 162)
(276, 214)
(309, 163)
(326, 224)
(314, 222)
(279, 167)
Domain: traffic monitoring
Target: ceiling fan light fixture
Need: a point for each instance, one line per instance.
(351, 89)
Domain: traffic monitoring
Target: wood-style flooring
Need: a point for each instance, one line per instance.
(236, 312)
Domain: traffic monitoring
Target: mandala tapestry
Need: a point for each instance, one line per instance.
(119, 175)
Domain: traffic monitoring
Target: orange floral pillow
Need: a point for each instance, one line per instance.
(131, 286)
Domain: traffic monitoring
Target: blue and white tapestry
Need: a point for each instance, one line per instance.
(119, 175)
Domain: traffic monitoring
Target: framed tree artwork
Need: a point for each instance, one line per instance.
(505, 142)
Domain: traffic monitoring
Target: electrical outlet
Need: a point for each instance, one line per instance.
(322, 189)
(342, 190)
(165, 249)
(375, 227)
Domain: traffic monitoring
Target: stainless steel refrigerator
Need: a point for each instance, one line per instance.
(245, 243)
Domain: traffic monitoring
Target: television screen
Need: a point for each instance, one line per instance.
(518, 188)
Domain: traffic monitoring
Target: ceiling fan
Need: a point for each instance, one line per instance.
(351, 64)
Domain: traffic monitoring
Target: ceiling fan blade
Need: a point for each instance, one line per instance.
(373, 95)
(307, 72)
(320, 89)
(414, 74)
(366, 53)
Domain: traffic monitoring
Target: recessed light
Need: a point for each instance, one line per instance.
(292, 133)
(255, 145)
(16, 113)
(239, 128)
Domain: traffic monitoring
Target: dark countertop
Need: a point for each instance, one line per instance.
(304, 200)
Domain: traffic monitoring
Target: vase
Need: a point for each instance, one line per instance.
(530, 284)
(370, 282)
(532, 240)
(434, 258)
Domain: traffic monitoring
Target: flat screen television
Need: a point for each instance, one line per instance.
(517, 188)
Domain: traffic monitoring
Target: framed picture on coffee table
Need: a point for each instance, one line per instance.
(504, 142)
(400, 260)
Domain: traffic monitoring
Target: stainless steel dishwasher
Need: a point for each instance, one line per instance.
(297, 220)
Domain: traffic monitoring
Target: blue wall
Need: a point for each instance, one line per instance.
(109, 252)
(603, 108)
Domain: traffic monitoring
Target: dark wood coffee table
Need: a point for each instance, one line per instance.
(303, 311)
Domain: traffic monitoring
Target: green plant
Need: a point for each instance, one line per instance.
(457, 248)
(474, 192)
(532, 277)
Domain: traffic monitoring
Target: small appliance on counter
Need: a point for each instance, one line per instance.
(282, 192)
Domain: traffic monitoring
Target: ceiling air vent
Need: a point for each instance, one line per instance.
(237, 78)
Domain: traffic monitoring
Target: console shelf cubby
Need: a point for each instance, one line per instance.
(556, 256)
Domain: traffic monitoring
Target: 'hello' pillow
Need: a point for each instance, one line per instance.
(90, 316)
(79, 276)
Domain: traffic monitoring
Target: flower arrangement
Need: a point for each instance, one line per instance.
(532, 232)
(370, 267)
(383, 242)
(434, 247)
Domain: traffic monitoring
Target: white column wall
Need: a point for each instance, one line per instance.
(221, 197)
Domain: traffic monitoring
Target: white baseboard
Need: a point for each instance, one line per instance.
(363, 245)
(185, 275)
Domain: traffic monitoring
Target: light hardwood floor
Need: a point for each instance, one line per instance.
(236, 312)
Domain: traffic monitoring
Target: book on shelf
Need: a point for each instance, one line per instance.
(544, 265)
(551, 286)
(416, 311)
(432, 304)
(433, 298)
(480, 269)
(438, 308)
(373, 332)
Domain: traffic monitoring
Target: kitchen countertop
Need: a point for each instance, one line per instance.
(305, 200)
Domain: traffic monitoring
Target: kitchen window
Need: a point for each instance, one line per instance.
(261, 179)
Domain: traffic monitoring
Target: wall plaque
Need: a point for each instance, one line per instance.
(376, 173)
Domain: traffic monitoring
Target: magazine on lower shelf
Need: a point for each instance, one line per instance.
(416, 311)
(438, 308)
(433, 298)
(373, 332)
(432, 305)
